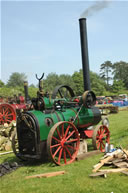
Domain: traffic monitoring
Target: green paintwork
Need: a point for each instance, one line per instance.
(85, 117)
(48, 103)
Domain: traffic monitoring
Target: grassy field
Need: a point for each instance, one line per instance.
(76, 179)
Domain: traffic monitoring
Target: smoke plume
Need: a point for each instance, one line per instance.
(97, 6)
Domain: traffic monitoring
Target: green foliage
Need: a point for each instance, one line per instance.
(118, 86)
(32, 92)
(76, 179)
(105, 69)
(53, 80)
(1, 84)
(120, 72)
(97, 84)
(16, 79)
(78, 82)
(10, 92)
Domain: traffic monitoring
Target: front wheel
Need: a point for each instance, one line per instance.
(101, 136)
(63, 143)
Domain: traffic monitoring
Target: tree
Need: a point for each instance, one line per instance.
(105, 70)
(120, 72)
(51, 81)
(16, 79)
(78, 81)
(1, 83)
(118, 86)
(32, 85)
(97, 84)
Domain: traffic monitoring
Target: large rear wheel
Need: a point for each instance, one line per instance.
(63, 143)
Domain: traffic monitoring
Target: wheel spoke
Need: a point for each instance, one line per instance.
(58, 133)
(98, 145)
(56, 139)
(56, 151)
(70, 141)
(66, 132)
(74, 148)
(103, 143)
(6, 110)
(68, 152)
(64, 156)
(52, 146)
(105, 134)
(60, 155)
(70, 135)
(103, 131)
(62, 130)
(3, 112)
(97, 140)
(98, 132)
(11, 114)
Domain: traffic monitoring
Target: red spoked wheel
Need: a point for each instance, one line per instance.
(101, 136)
(63, 143)
(7, 114)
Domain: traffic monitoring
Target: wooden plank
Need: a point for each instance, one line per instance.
(121, 164)
(125, 151)
(87, 154)
(114, 170)
(46, 175)
(102, 174)
(125, 172)
(4, 153)
(118, 160)
(102, 163)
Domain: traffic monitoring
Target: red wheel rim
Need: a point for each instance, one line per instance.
(102, 137)
(63, 143)
(7, 114)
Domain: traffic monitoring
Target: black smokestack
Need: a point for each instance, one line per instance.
(26, 91)
(84, 53)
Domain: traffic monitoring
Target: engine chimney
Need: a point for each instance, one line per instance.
(84, 53)
(26, 91)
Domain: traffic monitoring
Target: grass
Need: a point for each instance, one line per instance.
(76, 179)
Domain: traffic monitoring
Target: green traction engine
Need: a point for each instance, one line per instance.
(60, 121)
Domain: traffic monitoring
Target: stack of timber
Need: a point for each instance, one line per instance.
(117, 162)
(6, 132)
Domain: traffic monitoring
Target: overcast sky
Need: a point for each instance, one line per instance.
(43, 36)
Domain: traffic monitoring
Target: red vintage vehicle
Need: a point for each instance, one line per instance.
(10, 107)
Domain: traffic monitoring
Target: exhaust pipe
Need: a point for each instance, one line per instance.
(84, 53)
(26, 91)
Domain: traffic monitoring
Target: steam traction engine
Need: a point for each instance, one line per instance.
(58, 122)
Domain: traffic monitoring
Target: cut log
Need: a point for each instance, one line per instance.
(46, 175)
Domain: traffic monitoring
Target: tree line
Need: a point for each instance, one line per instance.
(112, 80)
